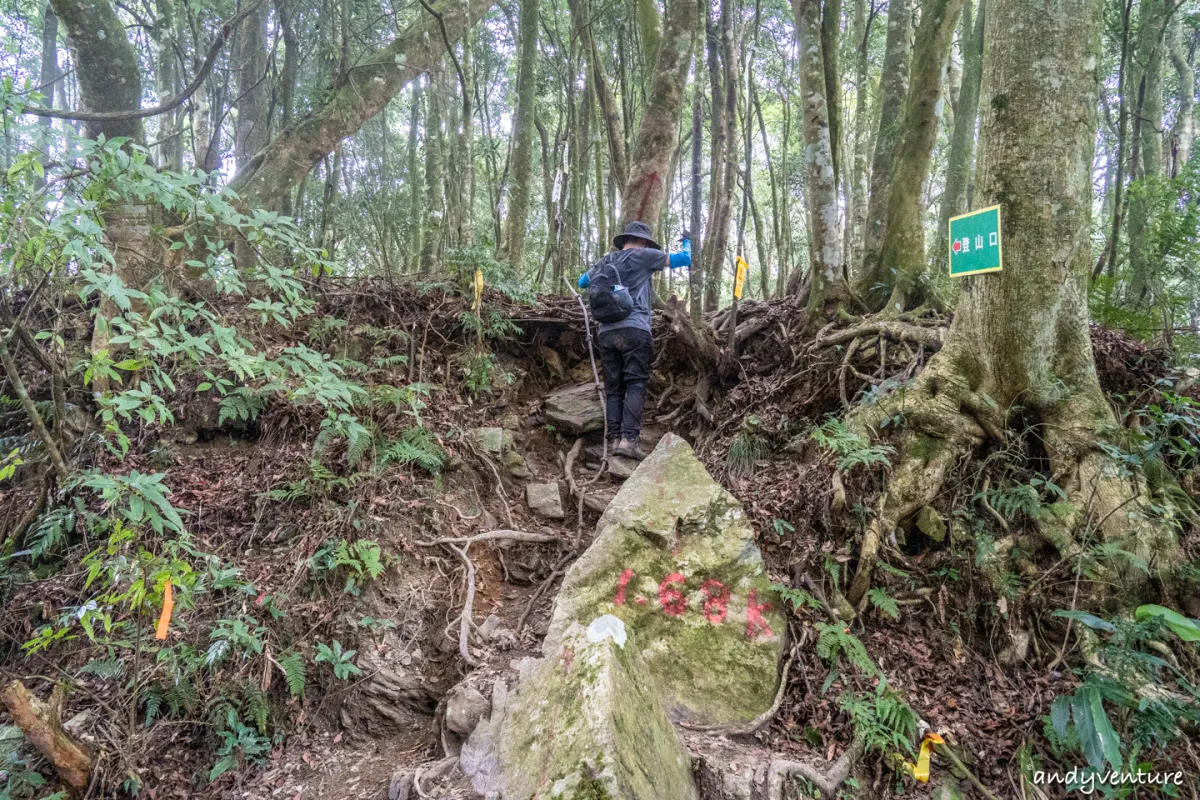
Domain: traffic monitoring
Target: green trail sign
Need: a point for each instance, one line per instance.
(975, 244)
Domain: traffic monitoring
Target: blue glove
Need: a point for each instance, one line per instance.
(683, 258)
(584, 280)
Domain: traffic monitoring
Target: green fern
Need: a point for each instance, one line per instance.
(51, 532)
(849, 448)
(885, 603)
(416, 446)
(883, 721)
(836, 641)
(243, 404)
(295, 673)
(104, 668)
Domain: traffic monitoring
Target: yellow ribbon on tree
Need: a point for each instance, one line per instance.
(478, 291)
(740, 280)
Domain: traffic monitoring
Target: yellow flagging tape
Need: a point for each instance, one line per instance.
(740, 280)
(478, 290)
(920, 770)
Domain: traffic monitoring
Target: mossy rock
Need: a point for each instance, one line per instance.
(674, 558)
(583, 724)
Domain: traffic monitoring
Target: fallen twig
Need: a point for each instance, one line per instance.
(516, 536)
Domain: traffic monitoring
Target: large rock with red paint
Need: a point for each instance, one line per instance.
(674, 558)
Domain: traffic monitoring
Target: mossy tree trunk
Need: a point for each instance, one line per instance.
(1184, 130)
(962, 139)
(435, 190)
(861, 142)
(1020, 341)
(1145, 284)
(902, 258)
(251, 126)
(358, 97)
(828, 286)
(656, 138)
(893, 89)
(515, 228)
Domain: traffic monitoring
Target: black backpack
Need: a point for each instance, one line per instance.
(609, 298)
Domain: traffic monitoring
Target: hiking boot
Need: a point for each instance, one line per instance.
(629, 448)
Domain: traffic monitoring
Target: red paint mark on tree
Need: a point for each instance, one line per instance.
(619, 600)
(672, 600)
(646, 187)
(717, 595)
(755, 624)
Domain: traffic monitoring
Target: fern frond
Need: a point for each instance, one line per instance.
(295, 673)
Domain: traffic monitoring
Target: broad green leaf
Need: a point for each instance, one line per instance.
(1185, 628)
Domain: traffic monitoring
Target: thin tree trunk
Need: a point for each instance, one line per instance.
(902, 257)
(893, 90)
(522, 153)
(1145, 281)
(857, 210)
(1108, 257)
(1184, 129)
(962, 140)
(696, 274)
(251, 127)
(414, 183)
(435, 194)
(828, 289)
(49, 77)
(359, 96)
(831, 28)
(659, 129)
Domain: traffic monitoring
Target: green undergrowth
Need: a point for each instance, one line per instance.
(94, 564)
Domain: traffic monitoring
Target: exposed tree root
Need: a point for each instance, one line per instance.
(755, 725)
(944, 415)
(41, 722)
(827, 782)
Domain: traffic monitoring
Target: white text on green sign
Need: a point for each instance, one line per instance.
(975, 244)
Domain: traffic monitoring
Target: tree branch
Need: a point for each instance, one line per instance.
(162, 108)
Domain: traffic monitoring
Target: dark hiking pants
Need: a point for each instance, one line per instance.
(625, 354)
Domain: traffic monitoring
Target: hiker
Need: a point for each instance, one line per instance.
(620, 300)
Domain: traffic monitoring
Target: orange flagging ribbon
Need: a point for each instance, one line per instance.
(164, 619)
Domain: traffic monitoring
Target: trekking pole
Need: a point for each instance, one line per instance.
(587, 326)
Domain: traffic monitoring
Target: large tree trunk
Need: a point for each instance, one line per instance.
(962, 139)
(359, 96)
(828, 285)
(648, 168)
(893, 89)
(521, 165)
(902, 259)
(1019, 347)
(109, 75)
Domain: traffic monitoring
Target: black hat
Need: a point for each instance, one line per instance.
(638, 230)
